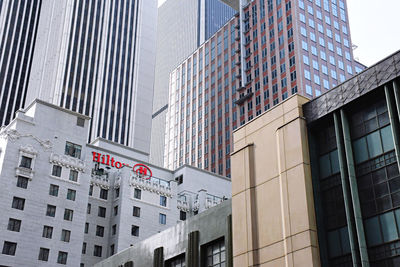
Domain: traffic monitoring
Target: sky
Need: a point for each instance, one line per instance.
(374, 28)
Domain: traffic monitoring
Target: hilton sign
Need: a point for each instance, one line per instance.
(141, 170)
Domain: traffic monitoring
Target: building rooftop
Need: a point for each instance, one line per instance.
(377, 75)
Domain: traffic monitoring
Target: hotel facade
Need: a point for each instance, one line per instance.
(71, 203)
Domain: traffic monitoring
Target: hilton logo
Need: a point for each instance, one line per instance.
(139, 169)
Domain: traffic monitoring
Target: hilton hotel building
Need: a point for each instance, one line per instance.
(66, 202)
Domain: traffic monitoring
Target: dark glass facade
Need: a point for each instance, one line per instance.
(354, 156)
(217, 14)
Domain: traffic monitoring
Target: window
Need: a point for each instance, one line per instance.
(136, 211)
(47, 232)
(102, 212)
(22, 182)
(65, 235)
(163, 218)
(182, 215)
(314, 50)
(99, 231)
(9, 248)
(53, 191)
(14, 225)
(84, 248)
(73, 175)
(116, 192)
(90, 190)
(56, 171)
(115, 210)
(163, 201)
(215, 253)
(114, 229)
(26, 162)
(306, 60)
(307, 75)
(62, 257)
(68, 214)
(137, 193)
(73, 150)
(18, 203)
(309, 90)
(89, 208)
(135, 230)
(86, 228)
(97, 251)
(44, 254)
(304, 45)
(326, 84)
(103, 193)
(71, 194)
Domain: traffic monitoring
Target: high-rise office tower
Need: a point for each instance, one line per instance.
(282, 48)
(182, 27)
(93, 57)
(18, 27)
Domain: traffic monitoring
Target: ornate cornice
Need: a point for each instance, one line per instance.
(28, 149)
(149, 186)
(67, 161)
(100, 181)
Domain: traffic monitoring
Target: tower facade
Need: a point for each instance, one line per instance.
(276, 49)
(93, 57)
(19, 22)
(182, 27)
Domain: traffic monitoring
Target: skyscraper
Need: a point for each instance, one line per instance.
(93, 57)
(282, 48)
(18, 28)
(182, 26)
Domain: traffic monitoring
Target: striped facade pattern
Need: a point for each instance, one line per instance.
(19, 20)
(202, 112)
(98, 74)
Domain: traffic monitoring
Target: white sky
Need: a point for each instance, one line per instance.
(374, 26)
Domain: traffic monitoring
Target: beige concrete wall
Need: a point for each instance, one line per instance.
(272, 198)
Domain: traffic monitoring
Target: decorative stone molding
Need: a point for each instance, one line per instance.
(25, 172)
(196, 205)
(149, 186)
(212, 203)
(117, 181)
(100, 181)
(67, 161)
(28, 149)
(13, 135)
(183, 205)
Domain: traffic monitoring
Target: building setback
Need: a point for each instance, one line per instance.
(68, 202)
(282, 48)
(182, 26)
(92, 57)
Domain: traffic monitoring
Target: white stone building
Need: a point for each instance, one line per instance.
(68, 202)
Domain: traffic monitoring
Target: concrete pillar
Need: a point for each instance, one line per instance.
(193, 255)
